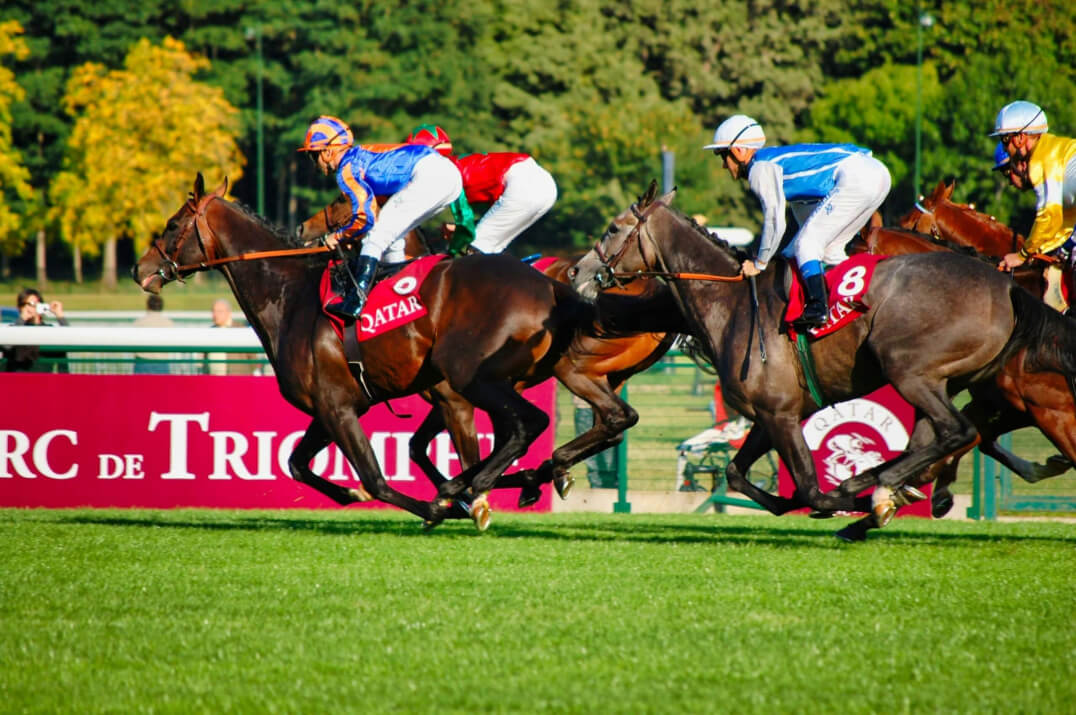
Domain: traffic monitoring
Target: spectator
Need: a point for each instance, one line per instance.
(153, 363)
(32, 312)
(224, 363)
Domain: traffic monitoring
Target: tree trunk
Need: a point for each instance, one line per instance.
(108, 264)
(5, 267)
(76, 263)
(39, 261)
(293, 202)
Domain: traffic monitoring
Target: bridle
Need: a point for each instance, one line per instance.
(935, 232)
(607, 276)
(203, 232)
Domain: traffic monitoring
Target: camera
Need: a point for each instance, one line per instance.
(42, 309)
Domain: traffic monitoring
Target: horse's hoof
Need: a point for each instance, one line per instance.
(480, 512)
(883, 506)
(528, 496)
(564, 485)
(360, 494)
(821, 514)
(906, 494)
(941, 505)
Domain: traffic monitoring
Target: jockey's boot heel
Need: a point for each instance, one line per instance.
(350, 306)
(815, 311)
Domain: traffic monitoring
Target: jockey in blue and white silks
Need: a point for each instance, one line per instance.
(833, 188)
(417, 180)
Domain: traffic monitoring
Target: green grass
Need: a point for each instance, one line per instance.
(218, 611)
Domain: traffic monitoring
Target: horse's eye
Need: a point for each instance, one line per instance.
(613, 228)
(172, 226)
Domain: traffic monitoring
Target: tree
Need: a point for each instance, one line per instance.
(140, 135)
(15, 190)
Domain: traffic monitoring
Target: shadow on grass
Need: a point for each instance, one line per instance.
(634, 529)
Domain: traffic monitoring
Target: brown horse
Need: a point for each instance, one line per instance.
(605, 362)
(912, 336)
(481, 335)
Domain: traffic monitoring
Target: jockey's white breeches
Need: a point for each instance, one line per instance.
(826, 226)
(435, 183)
(529, 192)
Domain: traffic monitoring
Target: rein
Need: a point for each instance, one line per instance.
(681, 276)
(202, 231)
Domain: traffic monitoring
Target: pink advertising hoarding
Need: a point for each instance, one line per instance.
(851, 437)
(160, 441)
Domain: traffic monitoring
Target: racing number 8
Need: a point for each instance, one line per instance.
(851, 283)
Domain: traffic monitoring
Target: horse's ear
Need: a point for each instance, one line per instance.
(667, 199)
(949, 190)
(199, 186)
(939, 190)
(649, 194)
(222, 189)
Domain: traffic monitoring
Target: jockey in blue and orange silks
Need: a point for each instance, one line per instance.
(417, 180)
(833, 189)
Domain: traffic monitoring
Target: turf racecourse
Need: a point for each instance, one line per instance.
(346, 611)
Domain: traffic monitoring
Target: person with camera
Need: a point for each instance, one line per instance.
(33, 310)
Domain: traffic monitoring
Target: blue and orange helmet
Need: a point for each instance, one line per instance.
(432, 136)
(326, 131)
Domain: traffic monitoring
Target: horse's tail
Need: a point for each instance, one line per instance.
(1048, 337)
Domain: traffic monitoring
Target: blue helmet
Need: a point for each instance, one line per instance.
(1020, 117)
(1001, 157)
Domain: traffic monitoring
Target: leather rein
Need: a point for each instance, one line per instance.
(202, 230)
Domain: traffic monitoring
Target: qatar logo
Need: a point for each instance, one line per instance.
(851, 437)
(405, 285)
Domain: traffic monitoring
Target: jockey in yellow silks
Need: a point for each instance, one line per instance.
(1048, 165)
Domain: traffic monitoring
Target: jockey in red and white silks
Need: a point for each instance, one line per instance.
(517, 190)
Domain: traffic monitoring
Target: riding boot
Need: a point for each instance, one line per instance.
(815, 311)
(349, 307)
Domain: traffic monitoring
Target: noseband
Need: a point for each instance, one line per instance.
(935, 233)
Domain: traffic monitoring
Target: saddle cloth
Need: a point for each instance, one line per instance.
(845, 285)
(394, 300)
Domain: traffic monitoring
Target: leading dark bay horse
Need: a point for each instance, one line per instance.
(934, 324)
(599, 365)
(481, 335)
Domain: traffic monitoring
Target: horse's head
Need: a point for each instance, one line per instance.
(945, 220)
(182, 245)
(624, 247)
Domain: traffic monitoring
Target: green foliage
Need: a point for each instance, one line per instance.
(15, 191)
(136, 144)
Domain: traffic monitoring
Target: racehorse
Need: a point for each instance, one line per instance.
(603, 361)
(480, 335)
(910, 336)
(939, 216)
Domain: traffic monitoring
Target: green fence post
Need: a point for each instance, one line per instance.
(622, 505)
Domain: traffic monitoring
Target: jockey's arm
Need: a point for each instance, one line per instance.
(766, 181)
(363, 211)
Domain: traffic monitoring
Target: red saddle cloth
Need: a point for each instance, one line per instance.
(544, 262)
(845, 285)
(394, 301)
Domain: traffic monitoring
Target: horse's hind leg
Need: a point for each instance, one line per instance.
(756, 445)
(314, 440)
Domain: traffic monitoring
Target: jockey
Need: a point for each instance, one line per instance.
(1046, 163)
(834, 189)
(1003, 165)
(520, 192)
(418, 181)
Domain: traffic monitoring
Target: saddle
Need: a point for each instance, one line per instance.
(845, 285)
(394, 301)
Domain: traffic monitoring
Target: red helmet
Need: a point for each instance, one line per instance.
(432, 136)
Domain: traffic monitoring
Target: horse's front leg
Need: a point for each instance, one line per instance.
(754, 447)
(313, 441)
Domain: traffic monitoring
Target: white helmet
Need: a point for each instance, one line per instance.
(739, 130)
(1020, 117)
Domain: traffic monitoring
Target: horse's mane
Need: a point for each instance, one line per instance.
(736, 252)
(282, 234)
